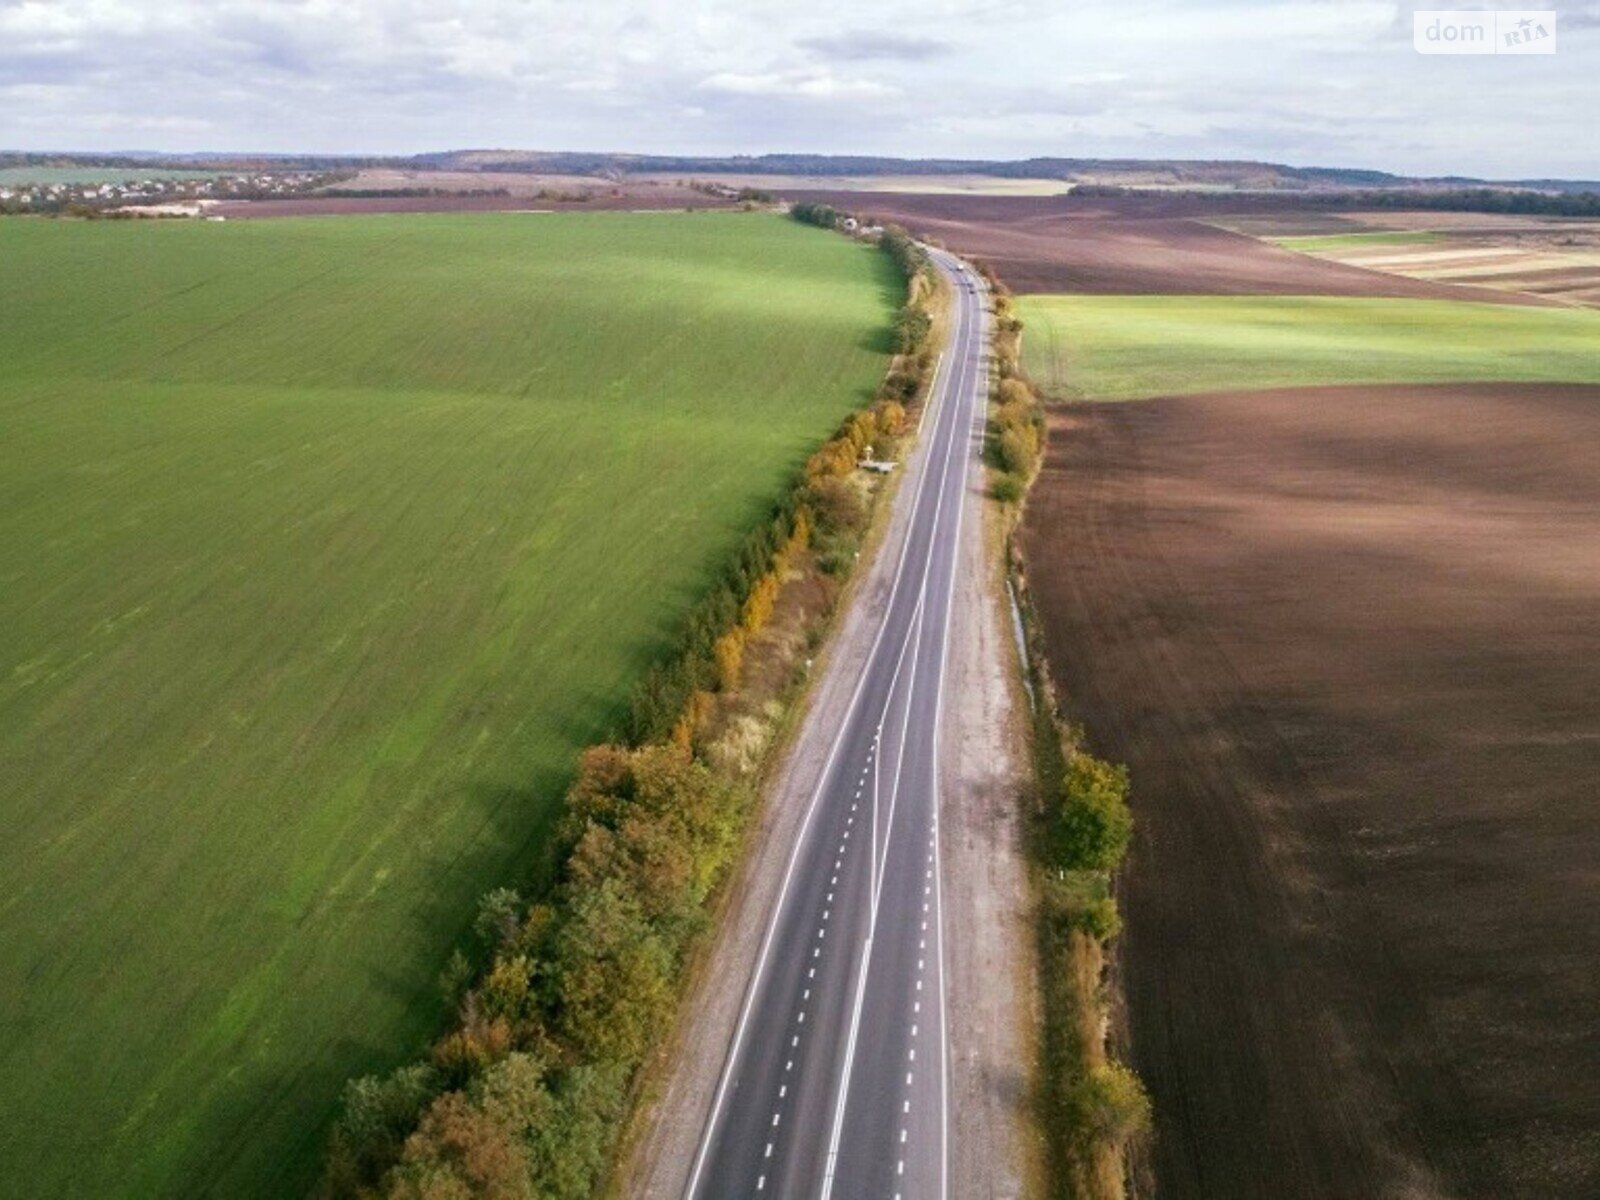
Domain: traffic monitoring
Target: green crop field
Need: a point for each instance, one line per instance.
(1334, 242)
(324, 545)
(1125, 347)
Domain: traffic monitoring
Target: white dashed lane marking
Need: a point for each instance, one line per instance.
(811, 972)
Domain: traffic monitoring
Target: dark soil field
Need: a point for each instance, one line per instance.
(1147, 243)
(1346, 640)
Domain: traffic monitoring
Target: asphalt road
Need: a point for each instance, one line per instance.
(835, 1085)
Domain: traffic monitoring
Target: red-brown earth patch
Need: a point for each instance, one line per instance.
(1348, 641)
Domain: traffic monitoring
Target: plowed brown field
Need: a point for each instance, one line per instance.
(1347, 641)
(1147, 243)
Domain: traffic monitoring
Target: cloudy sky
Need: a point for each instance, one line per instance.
(1328, 82)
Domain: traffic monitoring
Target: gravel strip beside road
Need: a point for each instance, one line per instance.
(993, 980)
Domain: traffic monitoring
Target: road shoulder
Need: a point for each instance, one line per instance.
(989, 941)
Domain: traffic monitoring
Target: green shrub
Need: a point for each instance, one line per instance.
(1095, 823)
(837, 504)
(824, 216)
(378, 1114)
(898, 385)
(454, 977)
(474, 1144)
(1007, 489)
(1014, 392)
(912, 326)
(836, 556)
(1082, 900)
(1111, 1105)
(499, 916)
(1100, 919)
(1016, 451)
(569, 1151)
(615, 976)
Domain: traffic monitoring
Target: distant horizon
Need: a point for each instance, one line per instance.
(1290, 81)
(975, 161)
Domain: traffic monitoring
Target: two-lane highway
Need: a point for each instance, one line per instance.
(836, 1083)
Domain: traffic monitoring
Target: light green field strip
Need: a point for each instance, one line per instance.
(324, 546)
(1126, 347)
(1332, 243)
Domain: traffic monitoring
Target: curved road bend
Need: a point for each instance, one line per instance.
(835, 1082)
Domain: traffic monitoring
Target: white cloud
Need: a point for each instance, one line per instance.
(972, 78)
(816, 85)
(858, 45)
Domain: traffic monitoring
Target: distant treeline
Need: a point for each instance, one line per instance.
(18, 158)
(1555, 203)
(1484, 200)
(526, 1092)
(247, 163)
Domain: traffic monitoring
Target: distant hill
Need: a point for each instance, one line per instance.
(1115, 172)
(1130, 172)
